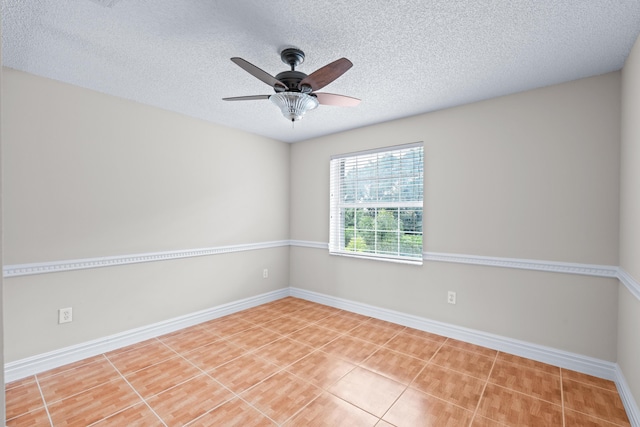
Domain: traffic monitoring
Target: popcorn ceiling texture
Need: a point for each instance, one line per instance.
(410, 57)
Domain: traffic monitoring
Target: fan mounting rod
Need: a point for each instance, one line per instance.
(292, 57)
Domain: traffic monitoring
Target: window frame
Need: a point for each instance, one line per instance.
(337, 244)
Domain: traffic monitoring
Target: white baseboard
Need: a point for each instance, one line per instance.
(552, 356)
(53, 359)
(633, 412)
(564, 359)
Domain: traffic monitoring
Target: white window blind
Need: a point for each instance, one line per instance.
(377, 203)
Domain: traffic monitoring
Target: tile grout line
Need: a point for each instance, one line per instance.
(484, 388)
(410, 382)
(44, 402)
(315, 349)
(84, 390)
(236, 395)
(135, 391)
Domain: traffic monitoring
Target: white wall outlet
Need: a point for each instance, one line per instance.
(65, 315)
(265, 273)
(451, 297)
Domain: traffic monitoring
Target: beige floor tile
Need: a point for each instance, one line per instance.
(577, 419)
(286, 324)
(20, 382)
(188, 339)
(189, 400)
(35, 418)
(254, 338)
(413, 345)
(461, 345)
(588, 380)
(93, 405)
(259, 315)
(313, 314)
(314, 335)
(22, 398)
(527, 380)
(371, 332)
(233, 413)
(76, 380)
(284, 351)
(479, 421)
(138, 415)
(454, 387)
(70, 366)
(244, 372)
(341, 322)
(473, 364)
(594, 401)
(157, 378)
(330, 411)
(424, 334)
(517, 360)
(367, 390)
(416, 409)
(397, 366)
(281, 396)
(140, 357)
(516, 409)
(227, 325)
(213, 355)
(321, 369)
(352, 349)
(384, 324)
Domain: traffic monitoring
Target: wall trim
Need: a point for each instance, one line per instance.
(564, 359)
(53, 359)
(629, 282)
(309, 244)
(16, 270)
(525, 264)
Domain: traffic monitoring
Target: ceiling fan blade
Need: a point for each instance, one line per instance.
(325, 75)
(258, 73)
(337, 100)
(247, 98)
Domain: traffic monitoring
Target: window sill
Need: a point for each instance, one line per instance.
(379, 258)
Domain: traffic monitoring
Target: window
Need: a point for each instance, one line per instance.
(376, 203)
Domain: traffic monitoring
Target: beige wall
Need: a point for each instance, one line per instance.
(533, 175)
(2, 397)
(90, 175)
(629, 310)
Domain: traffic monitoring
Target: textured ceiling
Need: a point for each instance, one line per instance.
(410, 57)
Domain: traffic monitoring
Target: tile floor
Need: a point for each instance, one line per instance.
(296, 363)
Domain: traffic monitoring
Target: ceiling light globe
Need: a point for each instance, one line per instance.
(294, 104)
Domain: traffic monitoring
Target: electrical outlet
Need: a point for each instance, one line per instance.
(451, 297)
(65, 315)
(265, 273)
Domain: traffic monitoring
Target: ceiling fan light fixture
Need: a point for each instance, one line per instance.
(294, 104)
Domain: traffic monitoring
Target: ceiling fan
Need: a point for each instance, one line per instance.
(295, 92)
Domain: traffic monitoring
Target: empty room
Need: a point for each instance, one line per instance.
(321, 213)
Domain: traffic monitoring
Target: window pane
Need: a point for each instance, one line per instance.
(379, 201)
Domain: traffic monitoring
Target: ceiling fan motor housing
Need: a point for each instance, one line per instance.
(292, 79)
